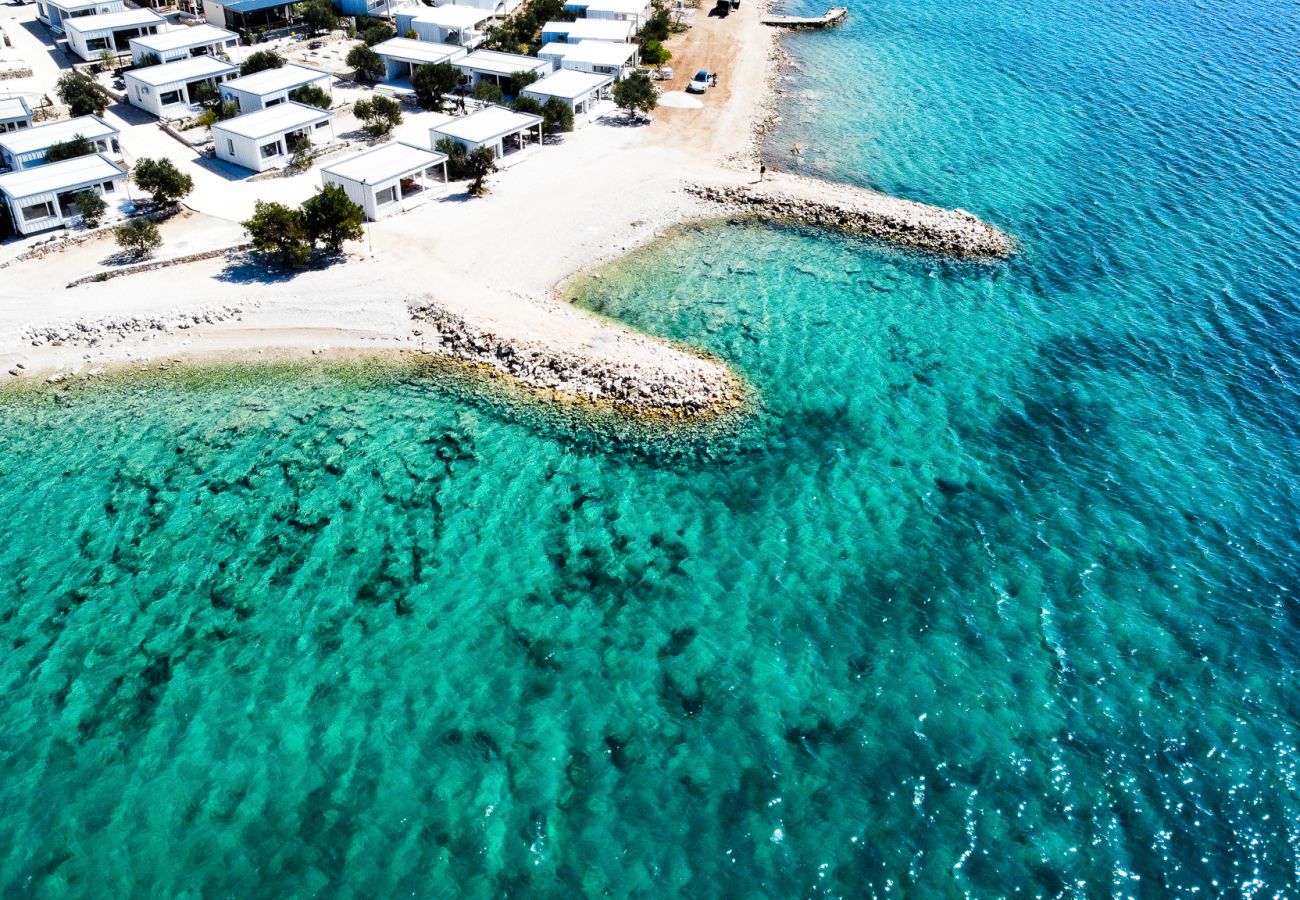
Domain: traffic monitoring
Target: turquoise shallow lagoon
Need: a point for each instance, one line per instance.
(994, 594)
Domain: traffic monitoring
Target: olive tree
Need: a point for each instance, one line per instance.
(260, 61)
(81, 94)
(279, 230)
(162, 180)
(77, 145)
(431, 82)
(139, 237)
(330, 218)
(91, 206)
(479, 165)
(635, 94)
(378, 115)
(367, 65)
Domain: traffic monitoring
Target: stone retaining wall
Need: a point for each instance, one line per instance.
(136, 269)
(72, 239)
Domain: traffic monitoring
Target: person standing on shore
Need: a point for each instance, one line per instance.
(762, 170)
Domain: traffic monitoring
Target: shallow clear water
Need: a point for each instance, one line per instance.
(995, 594)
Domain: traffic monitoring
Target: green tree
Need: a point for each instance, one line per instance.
(77, 145)
(260, 61)
(139, 237)
(319, 15)
(558, 115)
(81, 94)
(312, 95)
(162, 180)
(659, 26)
(654, 53)
(304, 153)
(635, 93)
(278, 229)
(378, 115)
(487, 92)
(205, 94)
(377, 34)
(219, 113)
(520, 80)
(432, 82)
(91, 206)
(367, 65)
(479, 165)
(527, 105)
(331, 218)
(149, 59)
(107, 61)
(457, 157)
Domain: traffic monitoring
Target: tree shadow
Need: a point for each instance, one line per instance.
(220, 167)
(622, 120)
(256, 268)
(463, 196)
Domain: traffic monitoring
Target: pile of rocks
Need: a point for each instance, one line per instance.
(951, 232)
(93, 333)
(677, 384)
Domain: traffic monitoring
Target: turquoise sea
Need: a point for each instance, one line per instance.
(995, 594)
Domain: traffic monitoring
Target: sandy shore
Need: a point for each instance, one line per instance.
(491, 264)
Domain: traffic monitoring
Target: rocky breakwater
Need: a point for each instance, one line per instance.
(793, 198)
(596, 362)
(93, 333)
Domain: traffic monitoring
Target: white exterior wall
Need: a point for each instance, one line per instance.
(80, 42)
(110, 189)
(247, 152)
(213, 49)
(436, 34)
(16, 123)
(109, 146)
(150, 97)
(250, 102)
(52, 16)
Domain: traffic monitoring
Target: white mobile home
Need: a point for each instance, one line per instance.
(90, 36)
(580, 90)
(490, 65)
(598, 57)
(498, 7)
(15, 115)
(182, 43)
(389, 179)
(241, 15)
(42, 198)
(634, 11)
(616, 30)
(504, 130)
(53, 12)
(266, 139)
(167, 91)
(402, 55)
(271, 87)
(375, 8)
(26, 149)
(460, 26)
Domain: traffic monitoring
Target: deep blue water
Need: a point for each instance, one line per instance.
(993, 595)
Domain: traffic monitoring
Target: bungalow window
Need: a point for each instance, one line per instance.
(38, 211)
(270, 150)
(230, 146)
(320, 125)
(109, 187)
(170, 97)
(386, 196)
(276, 102)
(97, 44)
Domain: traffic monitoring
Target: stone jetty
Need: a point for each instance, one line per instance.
(829, 19)
(630, 372)
(918, 226)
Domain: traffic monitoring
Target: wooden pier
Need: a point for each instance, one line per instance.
(829, 19)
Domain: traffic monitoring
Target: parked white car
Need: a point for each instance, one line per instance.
(702, 81)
